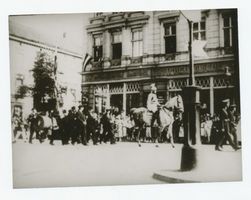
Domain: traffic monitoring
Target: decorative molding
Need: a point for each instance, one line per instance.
(169, 17)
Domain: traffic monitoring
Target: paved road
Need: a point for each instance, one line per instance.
(42, 165)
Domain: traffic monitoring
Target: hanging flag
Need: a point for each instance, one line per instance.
(198, 48)
(192, 15)
(87, 60)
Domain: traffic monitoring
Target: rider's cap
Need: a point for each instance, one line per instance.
(233, 106)
(225, 101)
(153, 87)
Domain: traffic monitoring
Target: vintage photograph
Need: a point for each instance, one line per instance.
(125, 98)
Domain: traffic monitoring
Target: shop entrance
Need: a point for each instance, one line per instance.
(117, 101)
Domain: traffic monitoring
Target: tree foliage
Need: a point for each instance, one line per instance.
(44, 87)
(22, 91)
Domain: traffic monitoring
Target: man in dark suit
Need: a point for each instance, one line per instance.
(82, 124)
(33, 120)
(234, 119)
(225, 127)
(92, 126)
(65, 128)
(74, 126)
(107, 127)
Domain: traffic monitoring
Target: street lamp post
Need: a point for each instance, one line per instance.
(191, 94)
(228, 78)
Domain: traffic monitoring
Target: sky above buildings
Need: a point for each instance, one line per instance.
(64, 30)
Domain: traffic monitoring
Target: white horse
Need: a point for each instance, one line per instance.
(143, 117)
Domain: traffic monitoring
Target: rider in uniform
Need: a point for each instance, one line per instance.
(153, 104)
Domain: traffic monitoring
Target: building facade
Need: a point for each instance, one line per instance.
(23, 53)
(131, 50)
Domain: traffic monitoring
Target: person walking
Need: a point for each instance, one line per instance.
(33, 122)
(18, 127)
(234, 119)
(91, 126)
(225, 127)
(74, 126)
(107, 127)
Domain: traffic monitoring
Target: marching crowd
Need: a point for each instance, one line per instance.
(84, 124)
(80, 126)
(75, 126)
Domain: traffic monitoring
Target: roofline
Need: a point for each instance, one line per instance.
(44, 46)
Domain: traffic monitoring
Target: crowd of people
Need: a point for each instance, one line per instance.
(82, 125)
(75, 126)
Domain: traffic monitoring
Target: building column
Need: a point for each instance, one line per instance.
(107, 48)
(211, 95)
(167, 91)
(126, 46)
(107, 44)
(141, 93)
(108, 96)
(124, 97)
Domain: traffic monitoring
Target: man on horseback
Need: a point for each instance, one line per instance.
(153, 104)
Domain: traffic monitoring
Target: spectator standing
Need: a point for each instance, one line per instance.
(82, 124)
(64, 128)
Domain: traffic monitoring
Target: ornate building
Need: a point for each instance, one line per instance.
(133, 49)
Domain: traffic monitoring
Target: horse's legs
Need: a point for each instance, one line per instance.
(170, 133)
(156, 136)
(138, 136)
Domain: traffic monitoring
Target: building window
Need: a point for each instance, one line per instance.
(199, 30)
(19, 83)
(98, 47)
(137, 43)
(19, 80)
(228, 31)
(170, 38)
(116, 45)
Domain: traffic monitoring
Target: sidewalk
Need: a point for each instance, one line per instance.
(215, 166)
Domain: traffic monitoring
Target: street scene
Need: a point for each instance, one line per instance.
(122, 98)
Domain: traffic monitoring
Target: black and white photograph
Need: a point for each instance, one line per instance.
(125, 98)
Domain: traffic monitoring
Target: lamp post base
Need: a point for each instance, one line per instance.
(190, 151)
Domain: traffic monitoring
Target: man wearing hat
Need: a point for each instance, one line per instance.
(225, 126)
(234, 119)
(153, 103)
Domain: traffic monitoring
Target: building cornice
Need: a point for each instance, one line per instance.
(117, 20)
(160, 65)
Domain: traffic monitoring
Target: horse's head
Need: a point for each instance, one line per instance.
(179, 106)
